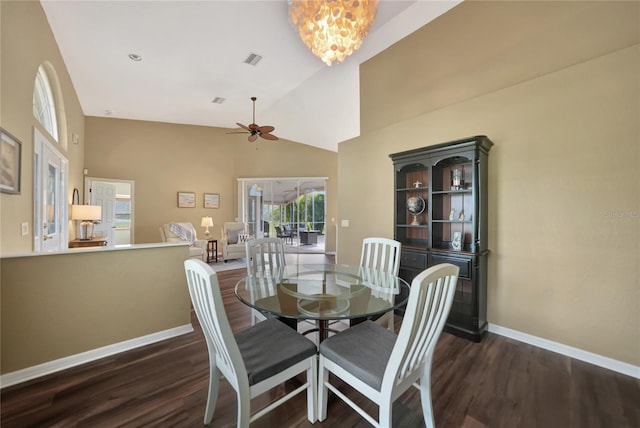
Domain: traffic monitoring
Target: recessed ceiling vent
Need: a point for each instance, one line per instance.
(253, 59)
(218, 100)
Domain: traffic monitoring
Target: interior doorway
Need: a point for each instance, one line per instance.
(116, 197)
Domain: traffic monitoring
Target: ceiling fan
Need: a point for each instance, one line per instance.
(256, 131)
(294, 190)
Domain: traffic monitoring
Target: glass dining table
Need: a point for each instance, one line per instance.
(323, 293)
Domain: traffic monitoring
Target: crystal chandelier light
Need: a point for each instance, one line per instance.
(332, 29)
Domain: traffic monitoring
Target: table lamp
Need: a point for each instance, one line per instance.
(207, 222)
(87, 215)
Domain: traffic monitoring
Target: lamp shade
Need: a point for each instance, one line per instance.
(207, 222)
(86, 212)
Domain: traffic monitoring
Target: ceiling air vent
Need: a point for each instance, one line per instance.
(218, 100)
(253, 59)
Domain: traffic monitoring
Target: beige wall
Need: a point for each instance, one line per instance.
(564, 186)
(555, 88)
(482, 46)
(26, 43)
(54, 306)
(161, 158)
(165, 158)
(59, 305)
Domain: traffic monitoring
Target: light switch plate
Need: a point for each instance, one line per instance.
(25, 228)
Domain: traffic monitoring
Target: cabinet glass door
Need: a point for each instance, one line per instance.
(412, 194)
(453, 206)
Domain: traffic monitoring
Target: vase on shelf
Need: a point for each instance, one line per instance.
(457, 179)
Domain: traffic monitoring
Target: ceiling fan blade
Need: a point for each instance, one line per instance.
(269, 137)
(253, 137)
(266, 129)
(243, 126)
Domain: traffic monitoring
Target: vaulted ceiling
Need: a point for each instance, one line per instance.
(194, 51)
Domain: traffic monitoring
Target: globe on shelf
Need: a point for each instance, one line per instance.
(416, 206)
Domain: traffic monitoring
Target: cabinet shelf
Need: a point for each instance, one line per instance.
(413, 189)
(451, 192)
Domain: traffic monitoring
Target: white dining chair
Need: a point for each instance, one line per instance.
(264, 255)
(381, 365)
(253, 361)
(382, 254)
(265, 263)
(265, 260)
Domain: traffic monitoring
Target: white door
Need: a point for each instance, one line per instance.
(103, 194)
(50, 231)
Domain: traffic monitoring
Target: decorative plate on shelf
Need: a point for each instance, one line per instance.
(416, 206)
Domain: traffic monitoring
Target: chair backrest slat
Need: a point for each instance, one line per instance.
(382, 254)
(431, 312)
(427, 310)
(208, 305)
(264, 255)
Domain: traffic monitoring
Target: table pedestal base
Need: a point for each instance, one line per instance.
(323, 330)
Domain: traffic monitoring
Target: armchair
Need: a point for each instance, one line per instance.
(197, 247)
(234, 235)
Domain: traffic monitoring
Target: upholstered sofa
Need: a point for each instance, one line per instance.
(186, 233)
(234, 236)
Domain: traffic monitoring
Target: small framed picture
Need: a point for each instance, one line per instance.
(186, 200)
(456, 242)
(211, 200)
(10, 152)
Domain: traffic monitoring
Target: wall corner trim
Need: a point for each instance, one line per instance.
(64, 363)
(569, 351)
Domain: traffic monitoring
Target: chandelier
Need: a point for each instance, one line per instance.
(332, 29)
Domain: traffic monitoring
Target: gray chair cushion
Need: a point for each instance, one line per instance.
(269, 347)
(363, 350)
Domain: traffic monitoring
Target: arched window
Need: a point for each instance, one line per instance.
(44, 108)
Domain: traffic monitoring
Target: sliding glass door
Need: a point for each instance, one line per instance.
(295, 206)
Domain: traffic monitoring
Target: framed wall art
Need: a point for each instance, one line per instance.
(186, 200)
(211, 200)
(10, 153)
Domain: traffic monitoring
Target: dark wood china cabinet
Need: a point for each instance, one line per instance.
(441, 217)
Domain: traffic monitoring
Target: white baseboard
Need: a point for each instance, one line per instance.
(29, 373)
(50, 367)
(569, 351)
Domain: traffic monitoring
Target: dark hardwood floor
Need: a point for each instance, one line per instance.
(497, 383)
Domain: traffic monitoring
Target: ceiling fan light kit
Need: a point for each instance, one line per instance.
(332, 29)
(256, 131)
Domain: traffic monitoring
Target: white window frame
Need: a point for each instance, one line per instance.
(44, 107)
